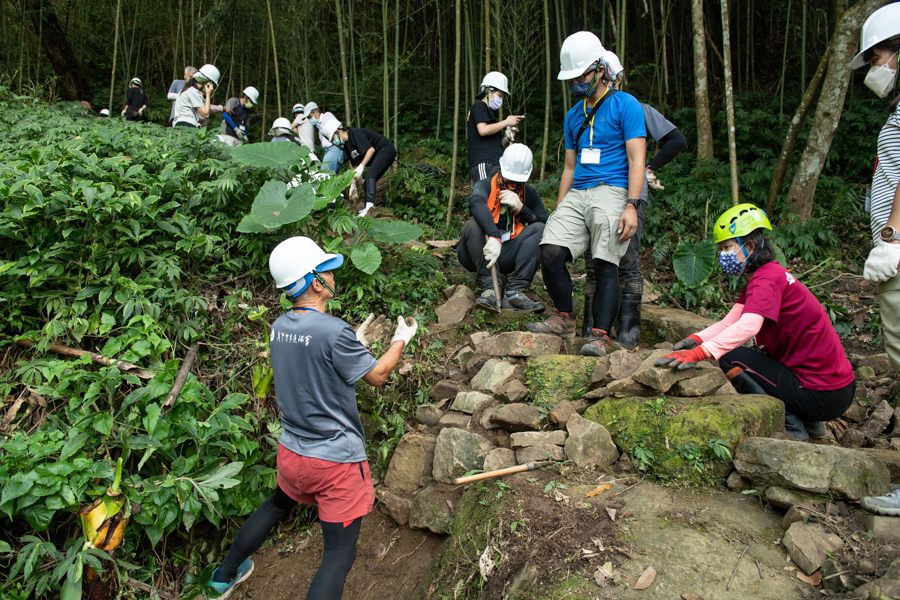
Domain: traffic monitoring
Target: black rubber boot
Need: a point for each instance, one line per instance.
(745, 384)
(794, 427)
(589, 283)
(628, 332)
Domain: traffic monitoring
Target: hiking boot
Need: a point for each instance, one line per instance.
(597, 344)
(888, 505)
(516, 300)
(487, 300)
(815, 429)
(793, 426)
(224, 589)
(559, 324)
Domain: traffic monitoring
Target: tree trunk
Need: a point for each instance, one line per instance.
(112, 76)
(487, 36)
(275, 57)
(546, 87)
(701, 85)
(386, 118)
(455, 109)
(828, 110)
(52, 37)
(729, 102)
(396, 70)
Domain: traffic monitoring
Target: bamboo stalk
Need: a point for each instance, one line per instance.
(729, 102)
(342, 46)
(112, 76)
(455, 111)
(546, 86)
(275, 57)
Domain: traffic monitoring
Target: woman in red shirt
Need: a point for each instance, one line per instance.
(797, 356)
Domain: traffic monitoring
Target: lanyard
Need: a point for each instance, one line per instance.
(584, 108)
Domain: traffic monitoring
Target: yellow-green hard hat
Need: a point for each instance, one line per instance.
(738, 221)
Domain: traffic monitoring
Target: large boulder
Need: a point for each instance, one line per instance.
(839, 472)
(589, 443)
(411, 463)
(678, 434)
(554, 378)
(430, 511)
(808, 545)
(458, 452)
(622, 364)
(493, 376)
(471, 402)
(455, 309)
(517, 417)
(662, 324)
(520, 343)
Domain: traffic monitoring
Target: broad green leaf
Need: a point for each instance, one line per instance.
(271, 156)
(330, 189)
(366, 258)
(273, 207)
(223, 477)
(5, 548)
(103, 423)
(395, 232)
(694, 262)
(16, 486)
(249, 225)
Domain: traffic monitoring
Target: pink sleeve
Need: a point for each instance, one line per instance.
(734, 335)
(718, 327)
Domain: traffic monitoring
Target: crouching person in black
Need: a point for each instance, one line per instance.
(505, 229)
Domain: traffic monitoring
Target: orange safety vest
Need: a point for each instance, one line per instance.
(493, 203)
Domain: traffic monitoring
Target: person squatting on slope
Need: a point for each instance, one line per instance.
(485, 137)
(878, 48)
(798, 357)
(599, 191)
(510, 212)
(365, 149)
(236, 116)
(333, 155)
(135, 102)
(317, 359)
(671, 141)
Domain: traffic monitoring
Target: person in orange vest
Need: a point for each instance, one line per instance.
(505, 229)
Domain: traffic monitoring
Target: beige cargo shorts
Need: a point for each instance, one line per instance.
(589, 218)
(889, 301)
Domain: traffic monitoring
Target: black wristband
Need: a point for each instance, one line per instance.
(633, 201)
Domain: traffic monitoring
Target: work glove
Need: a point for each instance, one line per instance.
(652, 180)
(216, 108)
(882, 262)
(689, 343)
(239, 134)
(511, 199)
(406, 329)
(354, 193)
(373, 330)
(685, 359)
(510, 133)
(141, 112)
(359, 170)
(123, 111)
(492, 251)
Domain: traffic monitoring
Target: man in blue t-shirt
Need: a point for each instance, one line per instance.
(599, 191)
(317, 360)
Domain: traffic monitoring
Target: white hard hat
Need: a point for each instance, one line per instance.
(280, 124)
(883, 24)
(329, 127)
(579, 51)
(612, 65)
(298, 108)
(516, 163)
(295, 261)
(136, 80)
(104, 112)
(208, 73)
(310, 107)
(496, 80)
(252, 93)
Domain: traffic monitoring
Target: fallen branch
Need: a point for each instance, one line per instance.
(181, 378)
(140, 585)
(628, 488)
(733, 573)
(411, 553)
(96, 358)
(11, 413)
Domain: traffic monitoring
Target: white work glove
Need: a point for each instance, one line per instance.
(406, 329)
(511, 199)
(511, 133)
(123, 111)
(239, 134)
(354, 193)
(359, 170)
(492, 251)
(882, 262)
(652, 180)
(216, 108)
(373, 330)
(141, 112)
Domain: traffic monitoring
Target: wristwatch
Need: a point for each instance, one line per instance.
(889, 234)
(635, 201)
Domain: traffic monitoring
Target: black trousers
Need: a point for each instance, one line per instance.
(779, 381)
(519, 257)
(381, 162)
(483, 170)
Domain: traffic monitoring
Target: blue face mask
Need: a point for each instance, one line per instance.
(337, 141)
(730, 264)
(582, 89)
(314, 121)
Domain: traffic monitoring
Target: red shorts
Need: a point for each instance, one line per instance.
(342, 491)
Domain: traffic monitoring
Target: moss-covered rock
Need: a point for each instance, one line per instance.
(687, 439)
(662, 324)
(558, 377)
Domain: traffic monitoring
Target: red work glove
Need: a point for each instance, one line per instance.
(684, 359)
(691, 341)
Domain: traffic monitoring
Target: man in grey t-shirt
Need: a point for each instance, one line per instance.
(317, 359)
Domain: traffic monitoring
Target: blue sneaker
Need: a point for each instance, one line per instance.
(888, 505)
(225, 589)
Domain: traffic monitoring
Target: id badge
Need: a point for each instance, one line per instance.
(590, 156)
(505, 237)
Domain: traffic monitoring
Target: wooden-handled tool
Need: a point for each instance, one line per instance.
(507, 471)
(495, 280)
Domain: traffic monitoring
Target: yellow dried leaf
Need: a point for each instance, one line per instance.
(598, 490)
(646, 579)
(814, 579)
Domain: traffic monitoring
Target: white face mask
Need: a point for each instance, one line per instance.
(880, 79)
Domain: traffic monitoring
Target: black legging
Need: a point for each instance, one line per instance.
(337, 556)
(779, 381)
(559, 285)
(381, 161)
